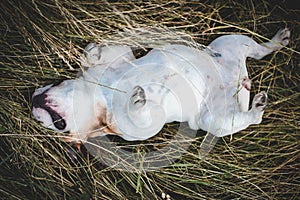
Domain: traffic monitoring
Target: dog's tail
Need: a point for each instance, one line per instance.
(207, 144)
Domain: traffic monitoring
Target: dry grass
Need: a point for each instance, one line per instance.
(41, 42)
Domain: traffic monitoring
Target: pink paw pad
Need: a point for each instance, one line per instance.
(246, 83)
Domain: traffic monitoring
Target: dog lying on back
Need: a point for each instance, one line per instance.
(133, 98)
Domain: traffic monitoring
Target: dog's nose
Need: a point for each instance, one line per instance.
(39, 101)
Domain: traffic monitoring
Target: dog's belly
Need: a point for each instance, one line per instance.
(180, 79)
(186, 83)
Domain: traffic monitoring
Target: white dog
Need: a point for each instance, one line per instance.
(134, 98)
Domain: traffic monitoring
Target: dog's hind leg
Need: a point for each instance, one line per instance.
(240, 121)
(234, 121)
(281, 39)
(230, 48)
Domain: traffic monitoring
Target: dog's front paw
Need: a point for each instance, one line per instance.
(260, 101)
(282, 36)
(138, 97)
(91, 55)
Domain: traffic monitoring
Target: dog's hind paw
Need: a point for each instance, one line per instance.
(282, 36)
(260, 101)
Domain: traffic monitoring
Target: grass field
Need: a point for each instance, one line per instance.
(41, 42)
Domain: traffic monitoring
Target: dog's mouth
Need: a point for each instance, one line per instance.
(39, 101)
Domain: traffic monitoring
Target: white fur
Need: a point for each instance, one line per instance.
(134, 98)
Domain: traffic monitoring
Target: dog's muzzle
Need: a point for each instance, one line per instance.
(39, 101)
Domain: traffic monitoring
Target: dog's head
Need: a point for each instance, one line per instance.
(78, 106)
(66, 107)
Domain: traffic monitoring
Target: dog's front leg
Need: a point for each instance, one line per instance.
(143, 112)
(96, 55)
(140, 117)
